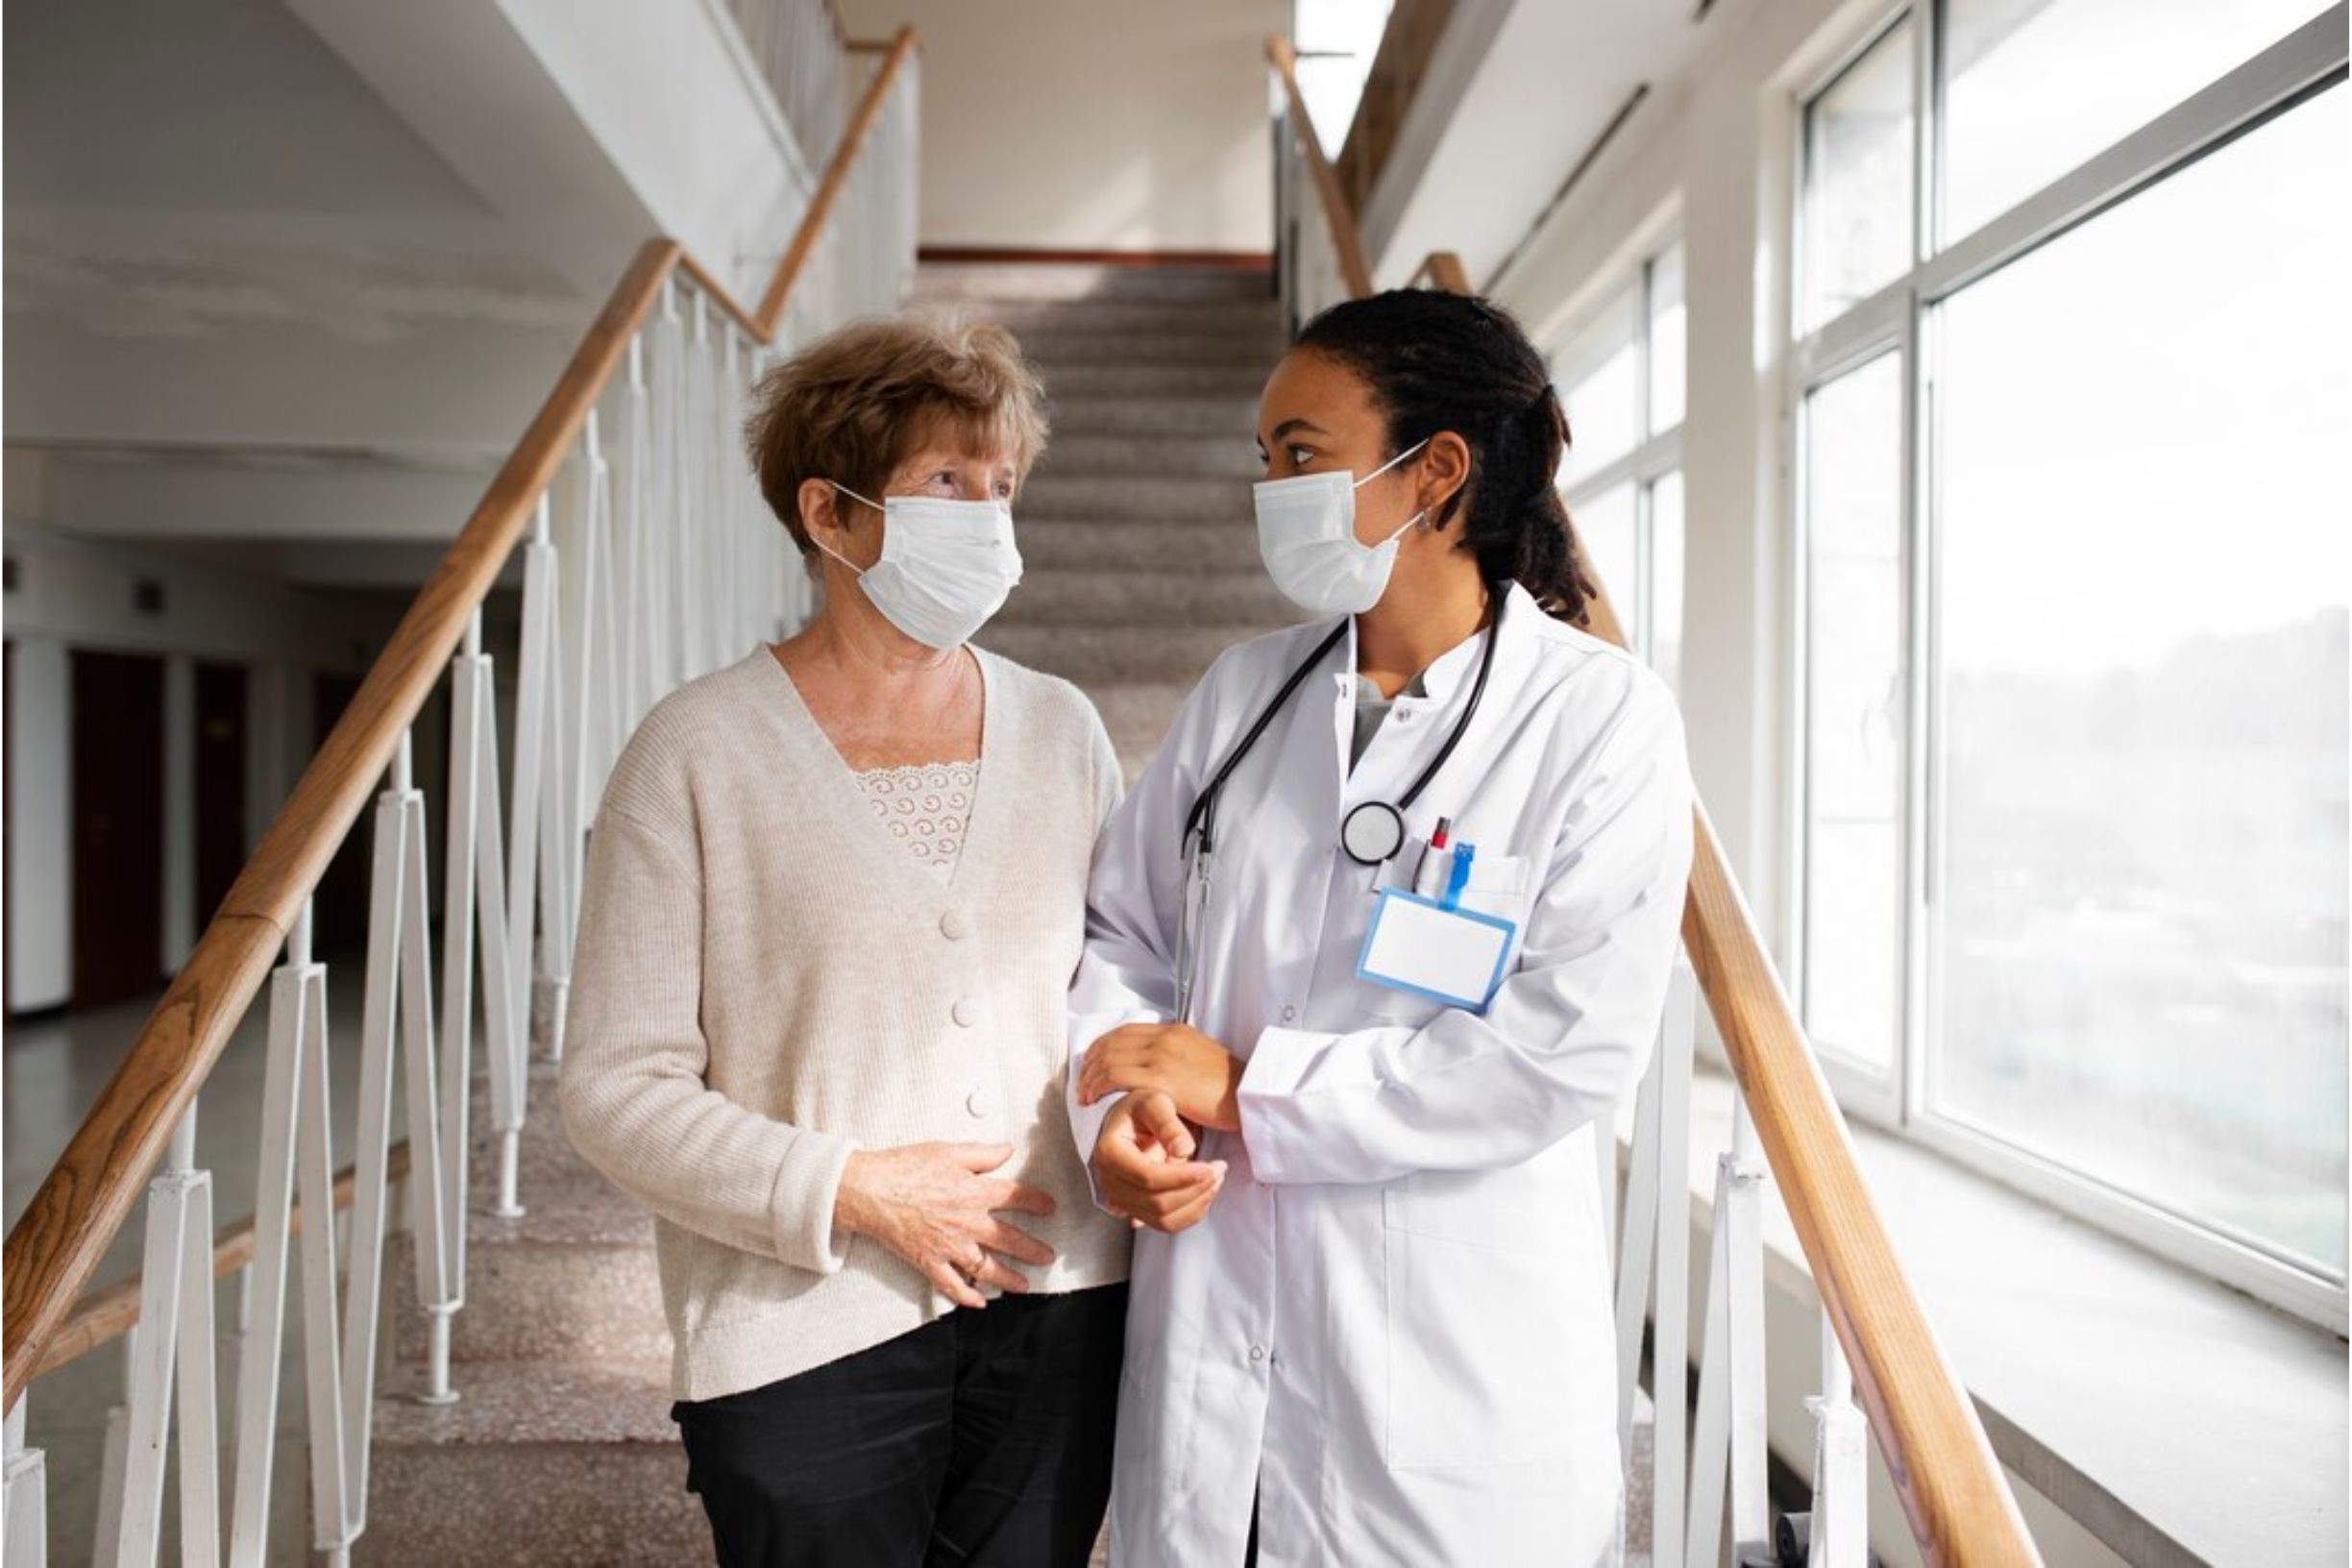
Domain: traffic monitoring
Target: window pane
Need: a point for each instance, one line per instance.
(1666, 577)
(1601, 389)
(1667, 343)
(1604, 526)
(1854, 712)
(1858, 157)
(2033, 87)
(2145, 573)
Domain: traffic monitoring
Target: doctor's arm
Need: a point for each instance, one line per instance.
(1567, 1034)
(1125, 971)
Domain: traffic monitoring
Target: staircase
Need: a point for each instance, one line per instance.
(1140, 549)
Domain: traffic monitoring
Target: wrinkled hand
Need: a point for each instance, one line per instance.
(1144, 1167)
(934, 1206)
(1196, 1072)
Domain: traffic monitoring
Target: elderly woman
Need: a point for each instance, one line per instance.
(835, 895)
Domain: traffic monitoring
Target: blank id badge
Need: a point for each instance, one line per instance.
(1417, 944)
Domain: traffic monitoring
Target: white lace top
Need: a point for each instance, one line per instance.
(926, 807)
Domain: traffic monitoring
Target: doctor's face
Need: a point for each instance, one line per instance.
(1318, 416)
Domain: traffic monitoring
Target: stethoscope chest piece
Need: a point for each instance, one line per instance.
(1372, 832)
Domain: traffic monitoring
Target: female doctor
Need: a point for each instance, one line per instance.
(1389, 920)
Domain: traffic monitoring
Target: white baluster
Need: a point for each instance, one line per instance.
(1731, 1412)
(537, 765)
(1669, 1330)
(176, 1312)
(420, 1076)
(24, 1498)
(325, 1230)
(398, 1007)
(474, 785)
(1841, 1465)
(257, 1383)
(114, 1459)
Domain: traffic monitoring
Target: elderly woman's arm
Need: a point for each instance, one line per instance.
(637, 1105)
(635, 1102)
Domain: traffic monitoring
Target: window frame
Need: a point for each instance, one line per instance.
(1903, 318)
(1655, 453)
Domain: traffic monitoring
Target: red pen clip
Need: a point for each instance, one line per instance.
(1437, 838)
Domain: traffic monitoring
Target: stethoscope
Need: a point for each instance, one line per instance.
(1371, 833)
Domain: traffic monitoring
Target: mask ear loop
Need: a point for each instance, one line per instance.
(1385, 468)
(835, 554)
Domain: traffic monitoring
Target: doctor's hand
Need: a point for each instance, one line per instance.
(1144, 1167)
(1196, 1072)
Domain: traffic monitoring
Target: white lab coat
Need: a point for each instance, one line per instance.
(1395, 1320)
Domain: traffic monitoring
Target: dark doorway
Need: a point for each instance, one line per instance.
(340, 908)
(220, 784)
(117, 826)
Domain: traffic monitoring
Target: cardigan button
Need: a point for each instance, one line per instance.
(954, 926)
(962, 1011)
(976, 1103)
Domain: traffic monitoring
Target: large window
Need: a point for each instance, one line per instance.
(2076, 577)
(1621, 377)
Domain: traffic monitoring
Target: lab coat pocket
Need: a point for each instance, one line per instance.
(1478, 1285)
(1498, 885)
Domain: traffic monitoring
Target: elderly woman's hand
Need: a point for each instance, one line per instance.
(934, 1206)
(1200, 1075)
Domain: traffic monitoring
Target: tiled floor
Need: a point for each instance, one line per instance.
(54, 1070)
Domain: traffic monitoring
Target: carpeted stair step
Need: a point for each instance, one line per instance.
(1050, 280)
(1066, 382)
(1233, 418)
(536, 1462)
(1160, 498)
(574, 1276)
(1229, 454)
(1096, 656)
(1088, 545)
(1066, 346)
(1236, 595)
(1259, 320)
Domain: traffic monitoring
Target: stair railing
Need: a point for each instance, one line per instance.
(647, 558)
(1877, 1343)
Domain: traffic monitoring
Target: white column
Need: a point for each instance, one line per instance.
(40, 823)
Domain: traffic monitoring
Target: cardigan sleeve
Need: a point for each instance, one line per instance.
(635, 1100)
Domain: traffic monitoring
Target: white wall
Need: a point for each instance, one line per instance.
(1092, 124)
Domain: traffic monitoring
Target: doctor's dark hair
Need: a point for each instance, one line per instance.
(1437, 361)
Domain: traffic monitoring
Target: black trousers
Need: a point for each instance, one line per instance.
(983, 1438)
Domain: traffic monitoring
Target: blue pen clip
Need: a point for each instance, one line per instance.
(1458, 877)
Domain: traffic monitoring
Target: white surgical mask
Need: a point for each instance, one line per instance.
(1307, 537)
(946, 566)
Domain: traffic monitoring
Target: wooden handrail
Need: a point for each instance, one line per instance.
(57, 1243)
(109, 1313)
(837, 174)
(1960, 1509)
(1345, 241)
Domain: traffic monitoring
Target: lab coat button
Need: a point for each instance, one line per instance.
(954, 926)
(1290, 1012)
(964, 1011)
(1257, 1353)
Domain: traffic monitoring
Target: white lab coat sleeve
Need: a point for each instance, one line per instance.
(1126, 973)
(1568, 1033)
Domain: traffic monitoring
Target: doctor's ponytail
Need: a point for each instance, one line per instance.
(1436, 361)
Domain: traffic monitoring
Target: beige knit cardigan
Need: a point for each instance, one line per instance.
(765, 980)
